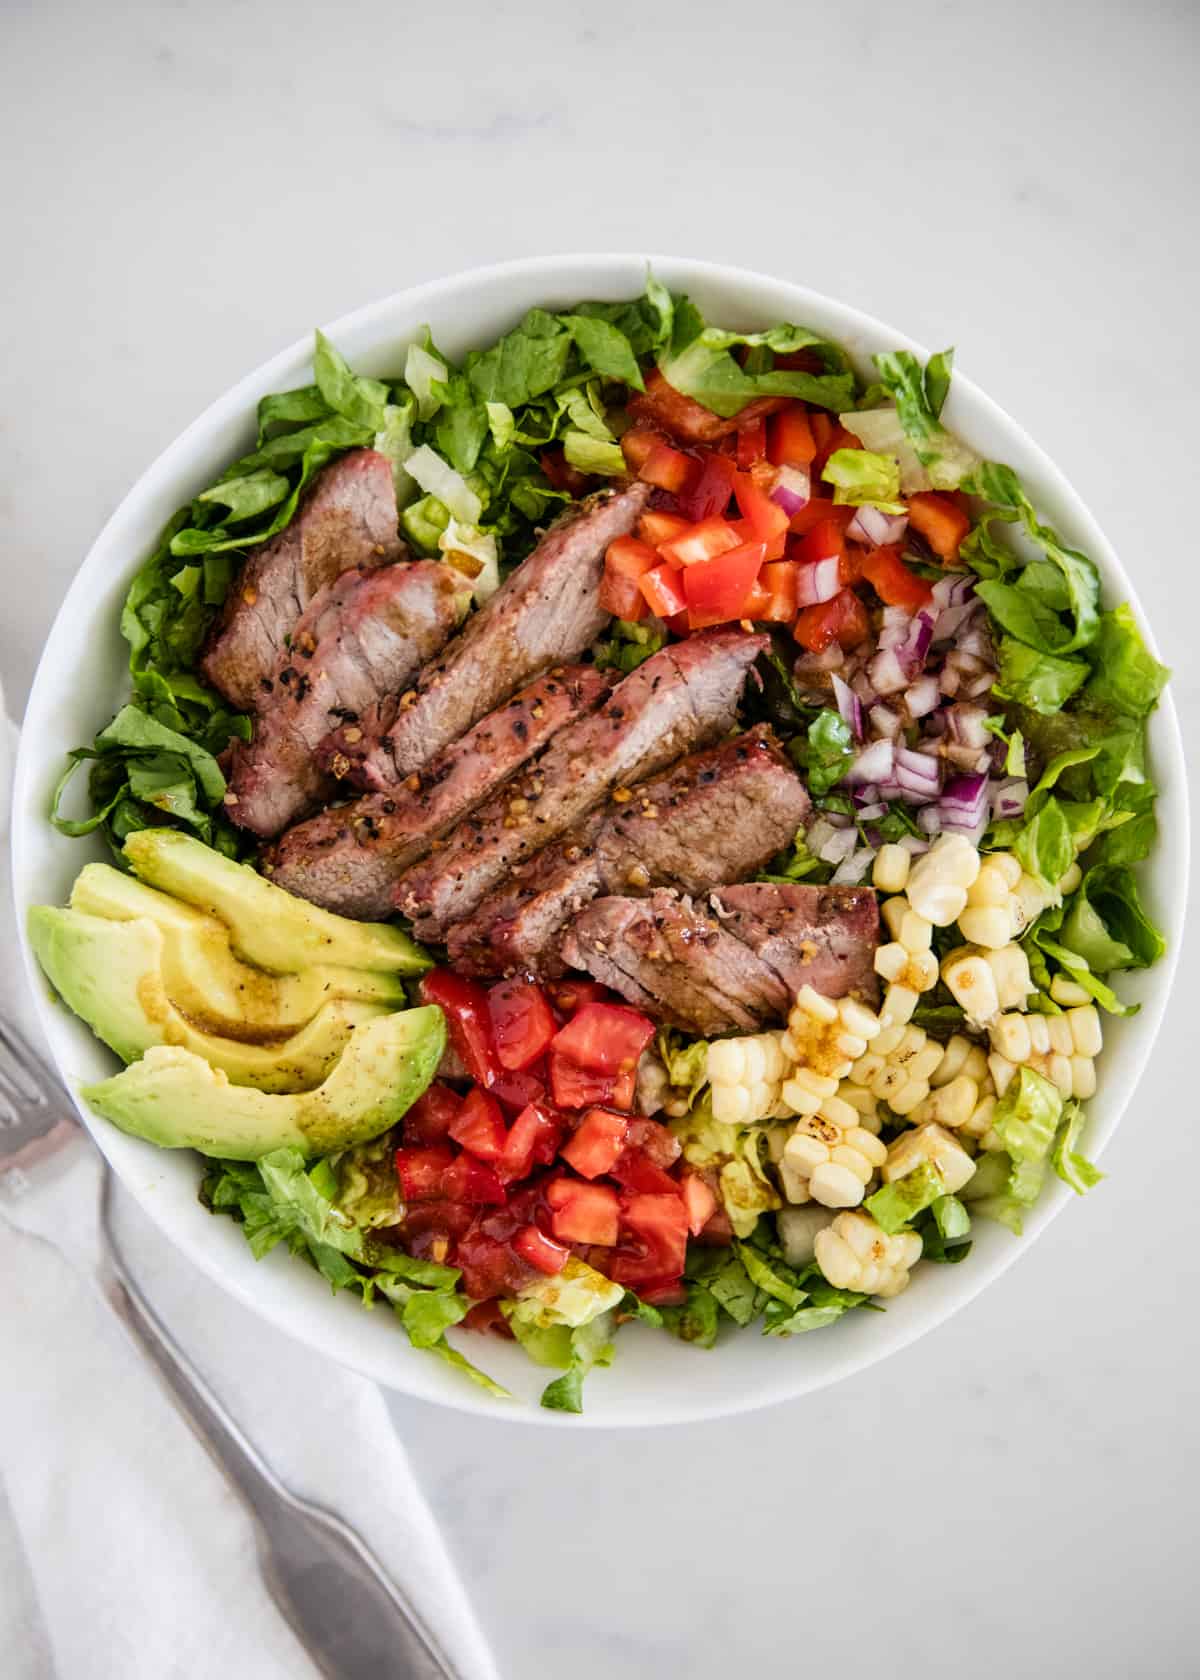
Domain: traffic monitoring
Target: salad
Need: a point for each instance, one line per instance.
(642, 824)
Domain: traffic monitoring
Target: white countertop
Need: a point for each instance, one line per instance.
(187, 187)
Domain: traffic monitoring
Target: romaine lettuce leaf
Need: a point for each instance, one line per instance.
(897, 1204)
(1106, 924)
(1026, 608)
(699, 363)
(1126, 678)
(864, 479)
(1072, 1167)
(919, 394)
(1038, 680)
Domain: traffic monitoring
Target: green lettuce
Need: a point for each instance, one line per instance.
(1067, 583)
(897, 1204)
(1106, 925)
(1126, 678)
(1038, 680)
(699, 362)
(1026, 1120)
(825, 752)
(627, 645)
(1072, 1167)
(863, 479)
(919, 394)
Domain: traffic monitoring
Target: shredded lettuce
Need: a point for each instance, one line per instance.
(864, 479)
(919, 394)
(897, 1204)
(1072, 1167)
(628, 645)
(699, 362)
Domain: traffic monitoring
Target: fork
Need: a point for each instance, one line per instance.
(55, 1186)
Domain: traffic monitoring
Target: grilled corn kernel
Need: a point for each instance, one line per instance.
(1010, 1036)
(1039, 1034)
(991, 886)
(1085, 1030)
(854, 1253)
(1007, 865)
(975, 1067)
(1067, 993)
(933, 1144)
(950, 1105)
(938, 881)
(865, 1068)
(910, 1096)
(1002, 1071)
(1058, 1072)
(979, 1124)
(972, 984)
(1061, 1039)
(987, 925)
(916, 934)
(1083, 1077)
(954, 1055)
(899, 1003)
(1010, 970)
(892, 913)
(824, 1163)
(891, 868)
(891, 961)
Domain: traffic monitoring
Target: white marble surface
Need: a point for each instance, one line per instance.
(188, 186)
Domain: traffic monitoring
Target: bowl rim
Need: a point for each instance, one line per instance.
(232, 404)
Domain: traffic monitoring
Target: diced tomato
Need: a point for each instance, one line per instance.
(584, 1213)
(768, 522)
(656, 527)
(486, 1317)
(842, 620)
(778, 583)
(574, 1087)
(464, 1004)
(667, 468)
(572, 993)
(471, 1181)
(540, 1250)
(838, 438)
(533, 1137)
(489, 1266)
(517, 1090)
(630, 556)
(825, 541)
(663, 592)
(790, 441)
(562, 475)
(522, 1022)
(814, 511)
(892, 580)
(940, 521)
(756, 603)
(711, 489)
(634, 1169)
(657, 1142)
(665, 1292)
(604, 1038)
(422, 1173)
(621, 596)
(752, 442)
(479, 1125)
(624, 1089)
(715, 589)
(431, 1116)
(699, 1200)
(659, 1226)
(597, 1141)
(700, 542)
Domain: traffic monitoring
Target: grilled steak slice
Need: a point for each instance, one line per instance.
(824, 937)
(713, 817)
(349, 858)
(347, 520)
(548, 611)
(684, 695)
(669, 958)
(364, 635)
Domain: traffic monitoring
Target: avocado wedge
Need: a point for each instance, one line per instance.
(216, 990)
(267, 925)
(175, 1099)
(112, 974)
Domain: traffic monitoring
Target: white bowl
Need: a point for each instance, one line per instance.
(82, 679)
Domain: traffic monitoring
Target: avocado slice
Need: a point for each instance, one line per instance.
(207, 982)
(267, 925)
(111, 974)
(175, 1099)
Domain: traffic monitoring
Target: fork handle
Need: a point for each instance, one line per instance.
(349, 1617)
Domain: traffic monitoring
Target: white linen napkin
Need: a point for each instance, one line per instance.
(123, 1553)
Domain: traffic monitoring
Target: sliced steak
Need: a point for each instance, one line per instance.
(666, 956)
(347, 520)
(684, 695)
(824, 937)
(713, 817)
(349, 858)
(548, 611)
(364, 635)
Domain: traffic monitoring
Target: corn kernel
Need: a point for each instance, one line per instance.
(922, 974)
(988, 925)
(899, 1003)
(941, 903)
(952, 1105)
(1002, 1071)
(865, 1068)
(933, 1144)
(891, 961)
(731, 1103)
(1058, 1072)
(834, 1185)
(812, 1003)
(889, 1040)
(1061, 1040)
(910, 1096)
(754, 1065)
(891, 869)
(838, 1113)
(990, 887)
(916, 934)
(980, 1121)
(1085, 1030)
(975, 1067)
(1010, 1036)
(1067, 993)
(1010, 970)
(1039, 1034)
(1008, 866)
(893, 913)
(1083, 1077)
(1029, 899)
(954, 1055)
(857, 1019)
(925, 1061)
(972, 984)
(726, 1061)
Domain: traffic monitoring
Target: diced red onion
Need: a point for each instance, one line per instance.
(968, 794)
(954, 598)
(871, 525)
(849, 705)
(976, 640)
(873, 764)
(922, 697)
(868, 813)
(912, 844)
(818, 582)
(887, 672)
(955, 824)
(921, 765)
(979, 685)
(792, 490)
(929, 821)
(966, 725)
(854, 869)
(839, 846)
(1009, 796)
(884, 721)
(861, 684)
(896, 624)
